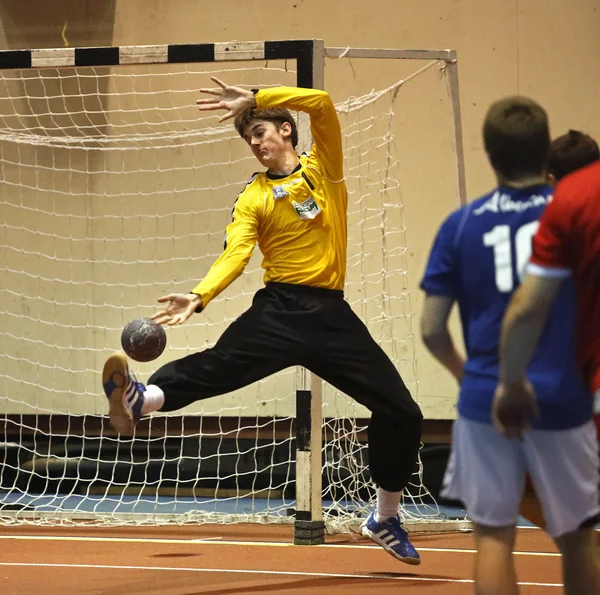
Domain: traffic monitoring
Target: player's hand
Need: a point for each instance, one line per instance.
(514, 408)
(232, 99)
(180, 307)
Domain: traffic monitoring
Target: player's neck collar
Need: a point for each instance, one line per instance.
(281, 176)
(524, 190)
(541, 180)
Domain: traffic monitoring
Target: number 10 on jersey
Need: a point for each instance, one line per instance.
(499, 238)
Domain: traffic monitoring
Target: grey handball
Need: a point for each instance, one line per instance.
(143, 340)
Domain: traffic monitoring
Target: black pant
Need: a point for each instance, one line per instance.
(295, 325)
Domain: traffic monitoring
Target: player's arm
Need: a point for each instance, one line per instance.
(324, 124)
(523, 324)
(436, 335)
(530, 305)
(440, 286)
(515, 402)
(240, 239)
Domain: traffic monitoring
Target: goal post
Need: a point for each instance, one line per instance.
(114, 191)
(449, 58)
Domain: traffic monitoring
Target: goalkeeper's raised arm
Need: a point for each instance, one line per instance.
(324, 123)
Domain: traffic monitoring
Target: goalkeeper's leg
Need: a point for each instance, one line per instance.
(258, 344)
(350, 360)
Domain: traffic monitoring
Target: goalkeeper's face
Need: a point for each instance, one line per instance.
(269, 143)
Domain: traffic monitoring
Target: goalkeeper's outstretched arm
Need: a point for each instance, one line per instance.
(240, 239)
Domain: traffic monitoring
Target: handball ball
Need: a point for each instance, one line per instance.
(143, 340)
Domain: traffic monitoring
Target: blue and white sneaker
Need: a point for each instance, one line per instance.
(392, 537)
(125, 394)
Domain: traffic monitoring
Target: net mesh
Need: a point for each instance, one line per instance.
(114, 191)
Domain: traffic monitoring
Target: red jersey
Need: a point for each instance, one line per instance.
(568, 242)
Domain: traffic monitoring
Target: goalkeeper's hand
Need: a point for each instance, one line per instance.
(180, 307)
(233, 99)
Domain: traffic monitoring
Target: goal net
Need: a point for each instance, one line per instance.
(115, 190)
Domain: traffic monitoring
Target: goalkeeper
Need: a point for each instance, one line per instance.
(296, 211)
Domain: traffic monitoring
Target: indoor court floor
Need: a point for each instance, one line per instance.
(246, 559)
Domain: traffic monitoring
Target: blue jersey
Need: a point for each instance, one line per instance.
(478, 258)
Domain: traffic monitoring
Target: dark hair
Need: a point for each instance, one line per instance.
(570, 152)
(277, 115)
(517, 137)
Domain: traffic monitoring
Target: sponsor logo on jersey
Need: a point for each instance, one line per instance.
(503, 203)
(308, 209)
(279, 192)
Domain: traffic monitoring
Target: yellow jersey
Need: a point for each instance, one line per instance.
(299, 220)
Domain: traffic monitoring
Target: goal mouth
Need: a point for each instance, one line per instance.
(116, 190)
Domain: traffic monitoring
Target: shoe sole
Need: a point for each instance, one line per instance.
(412, 561)
(120, 417)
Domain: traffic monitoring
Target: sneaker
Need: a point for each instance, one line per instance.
(125, 394)
(392, 537)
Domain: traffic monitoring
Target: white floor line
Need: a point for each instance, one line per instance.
(220, 541)
(263, 572)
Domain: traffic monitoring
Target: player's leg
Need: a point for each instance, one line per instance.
(393, 451)
(486, 472)
(581, 567)
(564, 470)
(494, 565)
(259, 343)
(350, 360)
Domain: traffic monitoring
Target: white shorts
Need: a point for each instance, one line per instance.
(487, 471)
